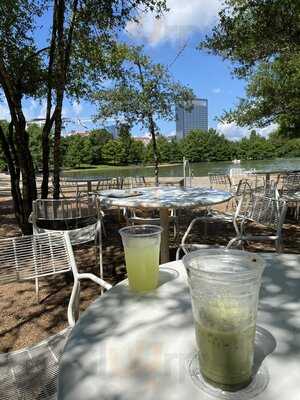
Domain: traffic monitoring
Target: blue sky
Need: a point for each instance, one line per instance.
(181, 29)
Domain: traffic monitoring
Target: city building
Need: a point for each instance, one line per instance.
(195, 118)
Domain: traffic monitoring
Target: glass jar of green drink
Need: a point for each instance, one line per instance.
(141, 245)
(224, 286)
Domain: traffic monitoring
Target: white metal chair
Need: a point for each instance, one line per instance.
(32, 373)
(66, 187)
(79, 216)
(137, 181)
(250, 207)
(220, 181)
(113, 183)
(290, 192)
(236, 174)
(262, 210)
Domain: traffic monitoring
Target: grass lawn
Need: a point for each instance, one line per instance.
(103, 168)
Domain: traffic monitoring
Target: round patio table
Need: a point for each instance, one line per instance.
(164, 198)
(128, 347)
(86, 179)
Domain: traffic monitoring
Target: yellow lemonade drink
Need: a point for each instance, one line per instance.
(225, 339)
(141, 246)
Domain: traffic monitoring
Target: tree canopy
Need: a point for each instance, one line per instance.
(262, 40)
(143, 93)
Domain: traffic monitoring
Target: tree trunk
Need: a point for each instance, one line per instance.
(22, 200)
(154, 146)
(56, 151)
(64, 53)
(29, 192)
(49, 120)
(17, 153)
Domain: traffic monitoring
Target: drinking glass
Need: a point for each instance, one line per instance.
(224, 287)
(141, 245)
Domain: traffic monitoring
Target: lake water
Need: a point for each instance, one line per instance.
(199, 169)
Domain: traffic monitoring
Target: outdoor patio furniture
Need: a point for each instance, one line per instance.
(211, 215)
(66, 188)
(248, 208)
(236, 174)
(220, 181)
(138, 181)
(84, 183)
(164, 199)
(112, 183)
(135, 216)
(31, 373)
(265, 211)
(290, 192)
(79, 216)
(128, 346)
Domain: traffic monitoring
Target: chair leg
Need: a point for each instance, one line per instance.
(279, 245)
(37, 289)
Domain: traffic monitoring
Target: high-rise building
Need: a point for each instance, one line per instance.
(189, 119)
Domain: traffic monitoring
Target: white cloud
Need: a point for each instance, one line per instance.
(234, 132)
(216, 90)
(183, 18)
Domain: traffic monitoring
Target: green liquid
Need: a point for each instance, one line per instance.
(226, 348)
(142, 267)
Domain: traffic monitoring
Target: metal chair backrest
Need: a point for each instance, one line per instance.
(113, 183)
(68, 213)
(67, 187)
(137, 181)
(291, 183)
(30, 257)
(236, 174)
(217, 180)
(264, 210)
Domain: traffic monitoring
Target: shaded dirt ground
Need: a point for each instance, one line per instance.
(25, 322)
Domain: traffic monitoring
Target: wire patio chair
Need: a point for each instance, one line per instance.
(220, 181)
(79, 216)
(66, 188)
(251, 207)
(236, 174)
(290, 191)
(113, 183)
(32, 373)
(262, 210)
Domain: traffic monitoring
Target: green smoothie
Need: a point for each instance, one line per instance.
(225, 338)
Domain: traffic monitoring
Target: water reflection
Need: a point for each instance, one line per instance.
(199, 169)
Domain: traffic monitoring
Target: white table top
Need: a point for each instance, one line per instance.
(131, 347)
(168, 197)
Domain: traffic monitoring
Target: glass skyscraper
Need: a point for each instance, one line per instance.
(196, 118)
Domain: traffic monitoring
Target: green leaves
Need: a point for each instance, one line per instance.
(261, 38)
(141, 89)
